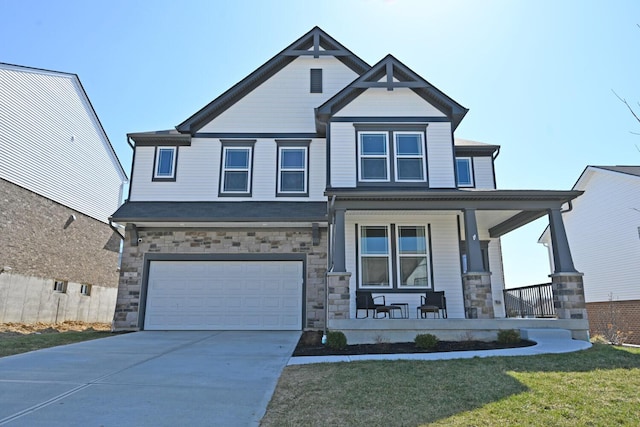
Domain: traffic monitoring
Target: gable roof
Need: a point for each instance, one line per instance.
(397, 75)
(630, 170)
(13, 88)
(315, 43)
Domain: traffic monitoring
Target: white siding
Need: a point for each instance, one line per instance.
(440, 156)
(604, 235)
(483, 173)
(52, 144)
(283, 103)
(198, 173)
(377, 102)
(343, 155)
(445, 254)
(497, 276)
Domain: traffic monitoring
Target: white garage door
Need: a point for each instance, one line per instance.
(224, 295)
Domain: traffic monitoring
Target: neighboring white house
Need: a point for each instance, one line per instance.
(320, 168)
(60, 179)
(603, 227)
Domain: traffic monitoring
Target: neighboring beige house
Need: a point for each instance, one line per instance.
(316, 177)
(60, 179)
(603, 227)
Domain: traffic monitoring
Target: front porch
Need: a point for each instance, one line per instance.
(457, 235)
(370, 331)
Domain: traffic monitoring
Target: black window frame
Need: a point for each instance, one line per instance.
(293, 144)
(156, 164)
(236, 144)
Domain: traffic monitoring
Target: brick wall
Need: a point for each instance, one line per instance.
(221, 241)
(35, 244)
(615, 320)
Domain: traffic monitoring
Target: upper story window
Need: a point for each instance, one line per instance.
(374, 157)
(410, 159)
(235, 173)
(293, 169)
(464, 172)
(165, 164)
(391, 155)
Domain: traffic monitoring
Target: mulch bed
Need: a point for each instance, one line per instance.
(309, 345)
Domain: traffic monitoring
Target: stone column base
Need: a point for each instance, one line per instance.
(568, 295)
(478, 298)
(338, 306)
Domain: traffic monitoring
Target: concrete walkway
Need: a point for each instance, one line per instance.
(146, 379)
(547, 341)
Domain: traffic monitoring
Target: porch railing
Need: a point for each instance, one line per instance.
(529, 301)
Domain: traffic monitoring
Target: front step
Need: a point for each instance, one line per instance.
(536, 334)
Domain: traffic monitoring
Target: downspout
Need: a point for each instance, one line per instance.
(495, 156)
(331, 243)
(569, 209)
(115, 229)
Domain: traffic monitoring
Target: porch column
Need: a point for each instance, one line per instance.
(338, 242)
(476, 282)
(562, 261)
(566, 282)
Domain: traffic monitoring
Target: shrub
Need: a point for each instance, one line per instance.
(426, 341)
(508, 336)
(336, 339)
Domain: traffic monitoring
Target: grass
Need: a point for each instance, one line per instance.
(17, 344)
(595, 387)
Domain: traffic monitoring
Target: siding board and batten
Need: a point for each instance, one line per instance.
(284, 103)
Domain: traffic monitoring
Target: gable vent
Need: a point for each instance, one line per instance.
(316, 80)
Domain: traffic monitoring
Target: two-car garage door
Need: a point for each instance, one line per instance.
(224, 295)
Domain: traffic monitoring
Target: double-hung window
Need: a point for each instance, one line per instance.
(236, 170)
(412, 257)
(464, 172)
(391, 155)
(409, 153)
(292, 170)
(165, 164)
(393, 257)
(375, 257)
(373, 150)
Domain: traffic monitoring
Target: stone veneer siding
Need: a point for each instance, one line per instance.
(221, 241)
(339, 300)
(615, 319)
(568, 295)
(478, 297)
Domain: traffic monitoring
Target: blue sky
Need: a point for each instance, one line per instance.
(537, 76)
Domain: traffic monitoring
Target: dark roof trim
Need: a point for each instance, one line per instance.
(406, 77)
(476, 150)
(256, 135)
(132, 212)
(314, 39)
(160, 138)
(628, 170)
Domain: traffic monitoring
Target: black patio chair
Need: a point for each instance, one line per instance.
(432, 302)
(366, 301)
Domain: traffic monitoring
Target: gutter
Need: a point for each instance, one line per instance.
(114, 228)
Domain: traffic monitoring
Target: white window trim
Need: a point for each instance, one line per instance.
(85, 289)
(172, 175)
(388, 256)
(373, 156)
(470, 163)
(303, 169)
(422, 156)
(247, 169)
(399, 255)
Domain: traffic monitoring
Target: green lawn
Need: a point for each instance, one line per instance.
(23, 343)
(595, 387)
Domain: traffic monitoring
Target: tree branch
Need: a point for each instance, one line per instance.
(624, 101)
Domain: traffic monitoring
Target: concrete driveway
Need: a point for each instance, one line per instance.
(209, 378)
